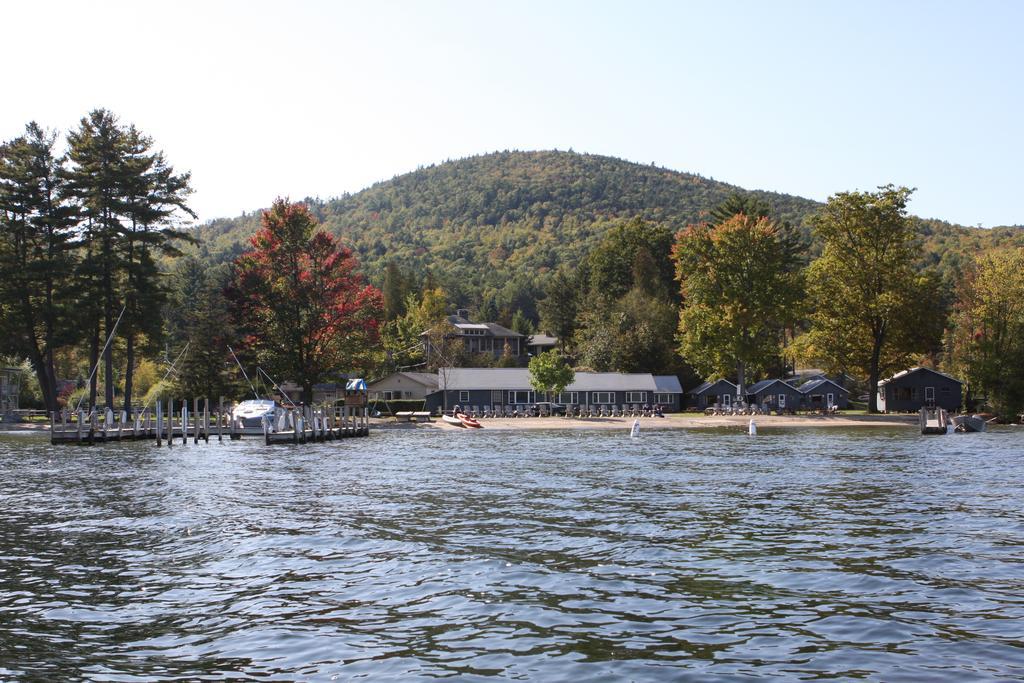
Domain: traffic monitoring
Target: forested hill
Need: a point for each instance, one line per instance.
(491, 226)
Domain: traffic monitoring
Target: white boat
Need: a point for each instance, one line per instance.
(452, 420)
(252, 413)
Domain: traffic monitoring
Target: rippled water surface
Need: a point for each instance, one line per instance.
(880, 555)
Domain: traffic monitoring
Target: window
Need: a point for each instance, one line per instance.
(945, 391)
(636, 397)
(663, 398)
(389, 395)
(463, 397)
(602, 397)
(496, 397)
(518, 397)
(570, 397)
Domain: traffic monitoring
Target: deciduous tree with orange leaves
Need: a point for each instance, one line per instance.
(297, 296)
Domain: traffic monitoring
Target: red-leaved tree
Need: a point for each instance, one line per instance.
(304, 310)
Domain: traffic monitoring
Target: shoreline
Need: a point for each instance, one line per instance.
(670, 421)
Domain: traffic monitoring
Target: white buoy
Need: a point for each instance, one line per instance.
(752, 428)
(634, 431)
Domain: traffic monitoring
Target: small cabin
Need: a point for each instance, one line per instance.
(407, 386)
(774, 394)
(823, 394)
(916, 388)
(722, 392)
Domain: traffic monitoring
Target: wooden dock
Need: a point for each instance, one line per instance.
(165, 424)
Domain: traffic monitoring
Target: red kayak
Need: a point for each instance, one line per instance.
(468, 421)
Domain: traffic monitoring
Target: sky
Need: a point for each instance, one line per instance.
(266, 99)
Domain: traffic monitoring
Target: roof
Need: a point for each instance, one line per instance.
(519, 379)
(758, 387)
(710, 383)
(668, 384)
(808, 387)
(904, 373)
(499, 331)
(542, 340)
(427, 379)
(462, 324)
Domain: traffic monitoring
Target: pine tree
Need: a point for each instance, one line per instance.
(129, 197)
(36, 254)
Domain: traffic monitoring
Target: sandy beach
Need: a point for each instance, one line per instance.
(674, 421)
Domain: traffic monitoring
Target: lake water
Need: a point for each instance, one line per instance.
(686, 555)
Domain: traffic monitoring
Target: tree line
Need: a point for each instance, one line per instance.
(81, 236)
(93, 241)
(92, 285)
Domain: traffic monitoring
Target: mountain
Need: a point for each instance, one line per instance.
(491, 226)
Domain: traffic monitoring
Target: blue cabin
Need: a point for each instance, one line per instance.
(821, 394)
(721, 392)
(916, 388)
(774, 394)
(499, 387)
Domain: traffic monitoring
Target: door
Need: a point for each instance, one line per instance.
(726, 400)
(831, 399)
(929, 396)
(782, 400)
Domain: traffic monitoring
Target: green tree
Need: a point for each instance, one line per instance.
(632, 334)
(739, 203)
(613, 263)
(36, 255)
(550, 373)
(396, 290)
(522, 324)
(741, 287)
(866, 301)
(199, 317)
(986, 338)
(154, 197)
(560, 307)
(130, 199)
(97, 178)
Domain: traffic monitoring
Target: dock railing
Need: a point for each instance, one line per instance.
(168, 422)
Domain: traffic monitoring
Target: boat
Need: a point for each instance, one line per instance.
(452, 420)
(935, 421)
(251, 414)
(969, 423)
(468, 421)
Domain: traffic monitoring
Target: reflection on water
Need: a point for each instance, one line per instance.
(870, 554)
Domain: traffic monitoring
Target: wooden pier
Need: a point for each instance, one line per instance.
(170, 424)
